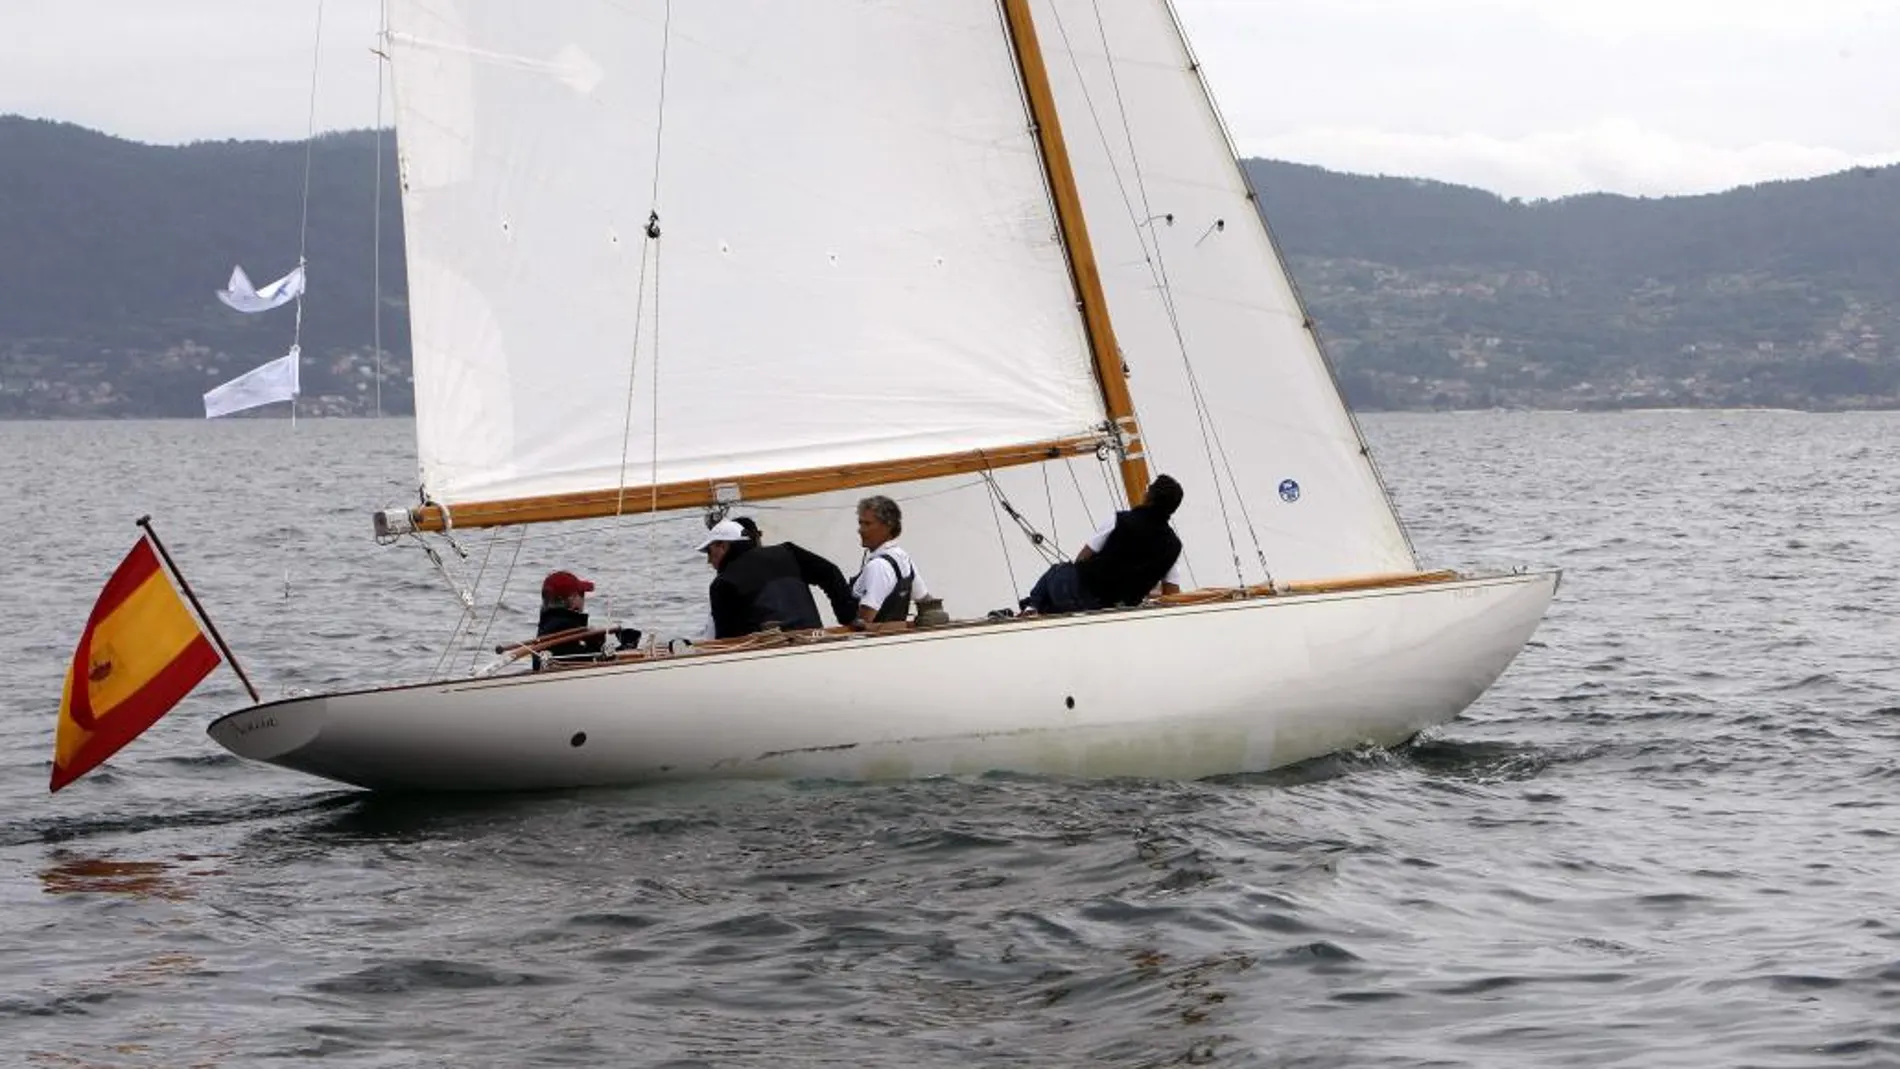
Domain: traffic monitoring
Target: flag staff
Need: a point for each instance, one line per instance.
(229, 657)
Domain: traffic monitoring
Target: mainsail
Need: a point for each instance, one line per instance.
(658, 249)
(659, 244)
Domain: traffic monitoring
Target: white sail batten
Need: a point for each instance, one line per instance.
(857, 259)
(1146, 144)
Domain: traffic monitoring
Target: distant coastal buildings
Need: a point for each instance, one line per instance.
(1427, 295)
(56, 382)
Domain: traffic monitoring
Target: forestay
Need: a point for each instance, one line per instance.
(857, 260)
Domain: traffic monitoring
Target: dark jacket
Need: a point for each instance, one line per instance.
(757, 585)
(558, 618)
(1136, 556)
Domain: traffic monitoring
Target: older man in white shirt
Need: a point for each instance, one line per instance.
(888, 583)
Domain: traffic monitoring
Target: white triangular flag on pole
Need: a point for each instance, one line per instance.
(275, 381)
(241, 296)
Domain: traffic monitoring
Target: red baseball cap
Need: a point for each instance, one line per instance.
(564, 585)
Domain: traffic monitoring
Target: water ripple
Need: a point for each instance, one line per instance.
(1661, 840)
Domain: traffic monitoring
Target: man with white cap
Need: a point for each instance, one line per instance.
(759, 585)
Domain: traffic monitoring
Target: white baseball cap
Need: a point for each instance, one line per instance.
(723, 531)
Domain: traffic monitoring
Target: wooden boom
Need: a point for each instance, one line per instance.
(593, 504)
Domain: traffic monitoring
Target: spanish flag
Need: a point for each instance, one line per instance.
(142, 651)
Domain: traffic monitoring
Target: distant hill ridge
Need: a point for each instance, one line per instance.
(1785, 293)
(1846, 223)
(1428, 294)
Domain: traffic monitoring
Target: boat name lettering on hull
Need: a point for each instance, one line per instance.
(245, 727)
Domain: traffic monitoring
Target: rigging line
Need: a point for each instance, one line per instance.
(1002, 543)
(633, 369)
(1240, 501)
(1117, 500)
(303, 237)
(468, 613)
(488, 628)
(653, 445)
(1157, 263)
(1069, 462)
(463, 595)
(1211, 446)
(309, 152)
(1049, 501)
(649, 248)
(376, 209)
(450, 644)
(1036, 538)
(1101, 132)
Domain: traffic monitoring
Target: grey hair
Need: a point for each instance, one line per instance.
(886, 512)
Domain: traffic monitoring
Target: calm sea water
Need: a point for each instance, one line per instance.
(1666, 838)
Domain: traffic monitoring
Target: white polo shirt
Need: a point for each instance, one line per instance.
(1100, 539)
(875, 581)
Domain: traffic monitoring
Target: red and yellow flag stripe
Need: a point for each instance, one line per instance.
(141, 652)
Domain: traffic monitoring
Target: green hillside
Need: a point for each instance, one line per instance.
(1429, 295)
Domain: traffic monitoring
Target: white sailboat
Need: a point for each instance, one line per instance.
(992, 258)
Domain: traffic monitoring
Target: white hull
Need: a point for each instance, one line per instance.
(1175, 693)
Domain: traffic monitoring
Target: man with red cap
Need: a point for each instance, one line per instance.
(563, 608)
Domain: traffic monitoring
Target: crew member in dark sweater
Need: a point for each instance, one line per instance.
(1122, 563)
(759, 585)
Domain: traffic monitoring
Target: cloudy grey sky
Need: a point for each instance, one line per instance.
(1531, 98)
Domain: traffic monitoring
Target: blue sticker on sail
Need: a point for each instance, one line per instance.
(1289, 491)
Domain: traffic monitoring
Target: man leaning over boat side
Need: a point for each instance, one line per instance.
(760, 585)
(1122, 562)
(887, 582)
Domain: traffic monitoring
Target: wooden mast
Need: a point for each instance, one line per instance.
(1109, 374)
